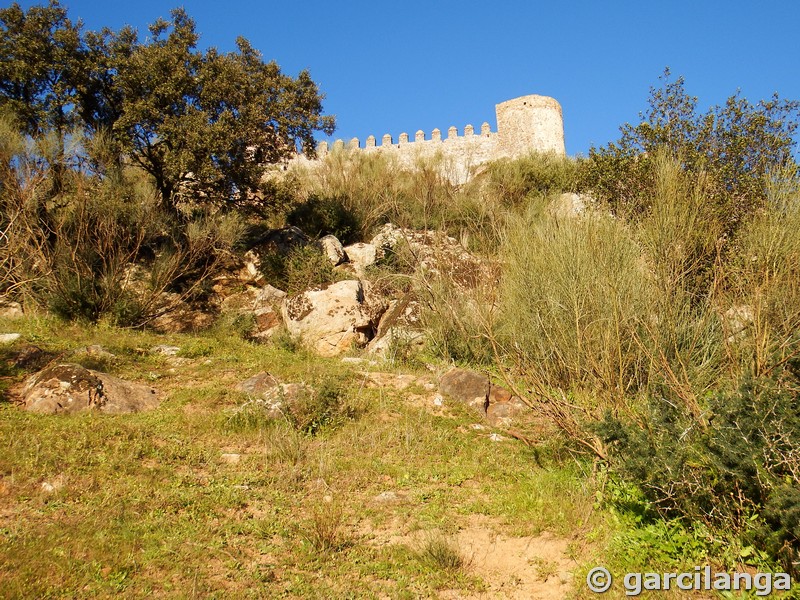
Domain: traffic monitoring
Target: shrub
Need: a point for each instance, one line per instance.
(326, 216)
(516, 181)
(740, 459)
(737, 147)
(303, 268)
(571, 300)
(324, 406)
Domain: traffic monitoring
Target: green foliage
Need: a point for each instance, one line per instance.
(303, 268)
(721, 469)
(521, 180)
(318, 217)
(571, 298)
(737, 147)
(440, 555)
(322, 407)
(201, 123)
(40, 57)
(763, 279)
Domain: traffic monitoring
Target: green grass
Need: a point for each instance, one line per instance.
(144, 505)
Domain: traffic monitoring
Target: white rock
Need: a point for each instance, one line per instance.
(333, 249)
(10, 310)
(328, 320)
(9, 338)
(165, 350)
(361, 256)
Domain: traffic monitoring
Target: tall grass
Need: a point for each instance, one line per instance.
(615, 305)
(762, 287)
(374, 188)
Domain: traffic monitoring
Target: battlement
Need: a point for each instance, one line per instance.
(419, 136)
(526, 124)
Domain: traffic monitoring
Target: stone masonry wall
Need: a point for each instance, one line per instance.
(525, 124)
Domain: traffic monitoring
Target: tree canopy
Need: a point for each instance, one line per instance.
(201, 121)
(737, 147)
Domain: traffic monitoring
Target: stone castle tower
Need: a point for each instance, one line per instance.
(526, 124)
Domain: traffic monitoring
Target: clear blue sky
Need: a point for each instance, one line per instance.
(390, 67)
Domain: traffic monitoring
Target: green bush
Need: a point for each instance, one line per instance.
(736, 462)
(303, 268)
(516, 181)
(326, 216)
(736, 147)
(322, 407)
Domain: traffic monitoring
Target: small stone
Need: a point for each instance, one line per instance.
(477, 427)
(438, 400)
(10, 310)
(333, 250)
(9, 338)
(231, 458)
(48, 488)
(388, 497)
(165, 350)
(496, 437)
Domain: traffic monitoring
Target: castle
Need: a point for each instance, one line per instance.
(525, 124)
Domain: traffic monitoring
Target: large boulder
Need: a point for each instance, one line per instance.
(360, 256)
(331, 319)
(400, 326)
(468, 387)
(71, 388)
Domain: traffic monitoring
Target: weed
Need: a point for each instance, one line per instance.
(325, 530)
(438, 553)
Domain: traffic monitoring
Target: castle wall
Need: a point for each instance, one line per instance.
(526, 124)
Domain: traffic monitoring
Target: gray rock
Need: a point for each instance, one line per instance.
(468, 387)
(332, 248)
(361, 256)
(10, 310)
(70, 388)
(272, 396)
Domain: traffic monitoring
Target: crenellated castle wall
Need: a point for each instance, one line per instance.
(525, 124)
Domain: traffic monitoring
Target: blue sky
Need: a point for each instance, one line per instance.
(392, 67)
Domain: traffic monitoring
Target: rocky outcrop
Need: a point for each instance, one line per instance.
(400, 324)
(70, 388)
(360, 256)
(329, 320)
(434, 253)
(263, 303)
